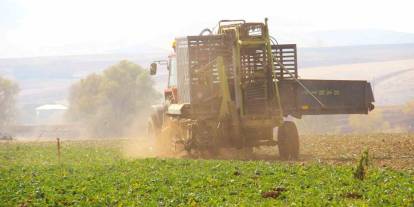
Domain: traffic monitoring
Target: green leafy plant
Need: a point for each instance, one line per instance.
(362, 167)
(95, 173)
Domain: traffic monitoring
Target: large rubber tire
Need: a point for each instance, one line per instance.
(288, 141)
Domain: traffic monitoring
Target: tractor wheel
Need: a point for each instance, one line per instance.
(288, 141)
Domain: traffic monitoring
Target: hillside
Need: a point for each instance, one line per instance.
(325, 56)
(45, 80)
(392, 81)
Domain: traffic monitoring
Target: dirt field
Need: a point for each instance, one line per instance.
(395, 151)
(392, 150)
(386, 150)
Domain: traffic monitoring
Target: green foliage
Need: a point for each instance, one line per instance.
(8, 92)
(95, 174)
(362, 167)
(108, 103)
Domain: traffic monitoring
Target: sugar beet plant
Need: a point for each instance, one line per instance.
(96, 174)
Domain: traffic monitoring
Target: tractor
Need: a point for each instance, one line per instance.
(230, 88)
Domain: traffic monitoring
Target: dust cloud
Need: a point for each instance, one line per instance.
(139, 144)
(139, 147)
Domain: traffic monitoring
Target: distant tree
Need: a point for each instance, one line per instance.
(108, 103)
(8, 93)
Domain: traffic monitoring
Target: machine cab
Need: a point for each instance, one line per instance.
(170, 92)
(172, 71)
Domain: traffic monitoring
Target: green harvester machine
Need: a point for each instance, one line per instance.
(231, 88)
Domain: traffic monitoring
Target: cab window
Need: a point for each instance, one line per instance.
(172, 79)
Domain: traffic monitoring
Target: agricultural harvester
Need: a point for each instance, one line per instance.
(230, 89)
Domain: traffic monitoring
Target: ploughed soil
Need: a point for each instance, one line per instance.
(394, 151)
(391, 150)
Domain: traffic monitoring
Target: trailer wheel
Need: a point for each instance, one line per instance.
(288, 140)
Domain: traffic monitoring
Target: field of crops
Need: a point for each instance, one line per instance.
(98, 173)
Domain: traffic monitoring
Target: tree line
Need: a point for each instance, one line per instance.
(107, 104)
(8, 93)
(104, 104)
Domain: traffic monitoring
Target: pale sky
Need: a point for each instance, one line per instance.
(57, 27)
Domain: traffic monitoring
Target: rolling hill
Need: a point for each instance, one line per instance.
(45, 80)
